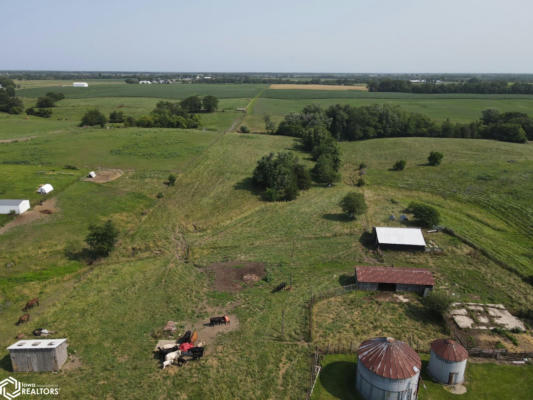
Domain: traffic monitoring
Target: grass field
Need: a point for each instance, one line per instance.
(110, 310)
(295, 86)
(483, 381)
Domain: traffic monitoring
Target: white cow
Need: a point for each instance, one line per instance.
(170, 358)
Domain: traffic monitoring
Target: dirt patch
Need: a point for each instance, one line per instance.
(15, 140)
(207, 334)
(288, 86)
(105, 175)
(40, 211)
(235, 275)
(455, 389)
(73, 363)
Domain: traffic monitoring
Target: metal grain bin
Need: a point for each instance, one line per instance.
(40, 355)
(447, 362)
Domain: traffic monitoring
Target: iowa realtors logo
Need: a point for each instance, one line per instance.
(10, 389)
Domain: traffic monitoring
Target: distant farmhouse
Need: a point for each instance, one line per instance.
(418, 280)
(399, 238)
(145, 83)
(16, 206)
(80, 84)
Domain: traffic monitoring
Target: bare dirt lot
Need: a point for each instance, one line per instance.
(233, 276)
(39, 211)
(288, 86)
(20, 139)
(105, 175)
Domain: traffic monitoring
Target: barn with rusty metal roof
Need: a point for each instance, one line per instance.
(418, 280)
(387, 369)
(447, 362)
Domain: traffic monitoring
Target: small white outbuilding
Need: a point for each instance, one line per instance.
(145, 83)
(17, 206)
(45, 189)
(80, 84)
(447, 362)
(91, 174)
(38, 355)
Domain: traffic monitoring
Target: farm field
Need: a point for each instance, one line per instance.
(173, 237)
(295, 86)
(483, 381)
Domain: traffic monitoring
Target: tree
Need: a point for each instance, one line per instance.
(244, 129)
(93, 117)
(102, 239)
(270, 126)
(45, 102)
(192, 104)
(425, 215)
(171, 180)
(131, 80)
(56, 96)
(324, 170)
(399, 165)
(353, 204)
(210, 103)
(39, 112)
(281, 176)
(116, 117)
(435, 158)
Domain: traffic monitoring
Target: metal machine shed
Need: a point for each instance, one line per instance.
(38, 355)
(387, 369)
(400, 238)
(417, 280)
(18, 206)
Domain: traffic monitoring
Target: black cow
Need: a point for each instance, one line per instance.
(197, 352)
(162, 352)
(219, 320)
(186, 338)
(281, 286)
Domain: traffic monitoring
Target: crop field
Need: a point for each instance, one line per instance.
(295, 86)
(112, 310)
(171, 91)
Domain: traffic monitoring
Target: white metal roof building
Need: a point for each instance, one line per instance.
(91, 174)
(45, 189)
(18, 206)
(80, 84)
(400, 237)
(38, 355)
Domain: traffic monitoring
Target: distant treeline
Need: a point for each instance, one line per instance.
(9, 102)
(471, 86)
(349, 123)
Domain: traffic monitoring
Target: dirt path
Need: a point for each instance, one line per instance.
(105, 175)
(38, 212)
(20, 139)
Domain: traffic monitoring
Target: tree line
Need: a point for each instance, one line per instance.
(9, 102)
(472, 85)
(44, 104)
(350, 123)
(166, 114)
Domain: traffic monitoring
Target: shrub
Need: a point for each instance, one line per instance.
(425, 215)
(171, 180)
(353, 204)
(69, 166)
(39, 112)
(399, 165)
(93, 117)
(360, 182)
(116, 117)
(160, 195)
(437, 303)
(56, 96)
(102, 239)
(45, 102)
(244, 129)
(129, 121)
(435, 158)
(362, 165)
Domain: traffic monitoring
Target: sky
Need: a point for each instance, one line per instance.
(455, 36)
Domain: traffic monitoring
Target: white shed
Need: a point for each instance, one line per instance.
(45, 189)
(16, 206)
(447, 362)
(80, 84)
(91, 174)
(145, 83)
(400, 238)
(38, 355)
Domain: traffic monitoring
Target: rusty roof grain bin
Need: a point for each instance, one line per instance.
(449, 350)
(389, 358)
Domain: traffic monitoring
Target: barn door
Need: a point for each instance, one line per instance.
(452, 378)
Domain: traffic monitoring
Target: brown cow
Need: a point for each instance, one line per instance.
(24, 318)
(30, 304)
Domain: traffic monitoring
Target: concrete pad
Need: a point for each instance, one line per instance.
(463, 322)
(476, 308)
(482, 319)
(460, 311)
